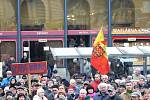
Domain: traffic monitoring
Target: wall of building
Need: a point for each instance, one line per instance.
(51, 13)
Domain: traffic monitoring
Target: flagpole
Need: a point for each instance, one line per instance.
(19, 37)
(109, 23)
(65, 31)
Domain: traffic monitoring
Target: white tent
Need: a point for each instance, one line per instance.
(82, 52)
(85, 52)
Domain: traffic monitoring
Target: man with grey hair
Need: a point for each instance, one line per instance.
(102, 94)
(105, 78)
(137, 74)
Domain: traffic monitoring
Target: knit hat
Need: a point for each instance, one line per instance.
(9, 93)
(136, 94)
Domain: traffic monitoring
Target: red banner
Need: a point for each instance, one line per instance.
(29, 68)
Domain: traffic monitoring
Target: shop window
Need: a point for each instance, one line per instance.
(123, 13)
(7, 49)
(78, 15)
(32, 15)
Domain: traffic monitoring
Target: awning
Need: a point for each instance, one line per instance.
(85, 52)
(130, 51)
(145, 49)
(64, 53)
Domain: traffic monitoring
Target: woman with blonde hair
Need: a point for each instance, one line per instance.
(146, 95)
(40, 95)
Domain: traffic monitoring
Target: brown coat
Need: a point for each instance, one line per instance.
(126, 96)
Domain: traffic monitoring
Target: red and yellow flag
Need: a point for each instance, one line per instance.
(99, 58)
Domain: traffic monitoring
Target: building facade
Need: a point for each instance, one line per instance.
(42, 24)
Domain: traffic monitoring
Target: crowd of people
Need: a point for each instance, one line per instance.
(87, 86)
(79, 87)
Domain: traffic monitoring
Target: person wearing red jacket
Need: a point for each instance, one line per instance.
(96, 82)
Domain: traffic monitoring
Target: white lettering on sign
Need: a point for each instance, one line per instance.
(42, 33)
(84, 32)
(42, 40)
(131, 39)
(131, 30)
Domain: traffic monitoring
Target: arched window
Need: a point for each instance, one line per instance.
(123, 13)
(7, 16)
(32, 15)
(78, 14)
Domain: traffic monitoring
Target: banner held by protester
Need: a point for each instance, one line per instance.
(29, 68)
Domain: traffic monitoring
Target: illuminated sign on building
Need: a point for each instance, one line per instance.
(131, 31)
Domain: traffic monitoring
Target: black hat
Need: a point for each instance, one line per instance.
(20, 95)
(24, 77)
(9, 93)
(20, 87)
(89, 87)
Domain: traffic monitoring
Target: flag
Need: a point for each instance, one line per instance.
(99, 58)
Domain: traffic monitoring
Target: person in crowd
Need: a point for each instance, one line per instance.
(146, 95)
(55, 81)
(7, 65)
(34, 88)
(102, 94)
(141, 85)
(13, 90)
(90, 91)
(112, 93)
(13, 82)
(105, 78)
(74, 86)
(82, 95)
(87, 67)
(5, 82)
(137, 74)
(129, 78)
(141, 82)
(85, 84)
(44, 78)
(62, 88)
(61, 96)
(96, 82)
(121, 89)
(48, 91)
(40, 95)
(129, 90)
(24, 77)
(50, 83)
(135, 96)
(22, 82)
(82, 42)
(65, 82)
(72, 42)
(71, 95)
(9, 96)
(25, 58)
(44, 85)
(50, 65)
(79, 81)
(22, 90)
(147, 83)
(1, 93)
(21, 96)
(54, 92)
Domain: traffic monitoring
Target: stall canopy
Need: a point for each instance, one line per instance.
(82, 52)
